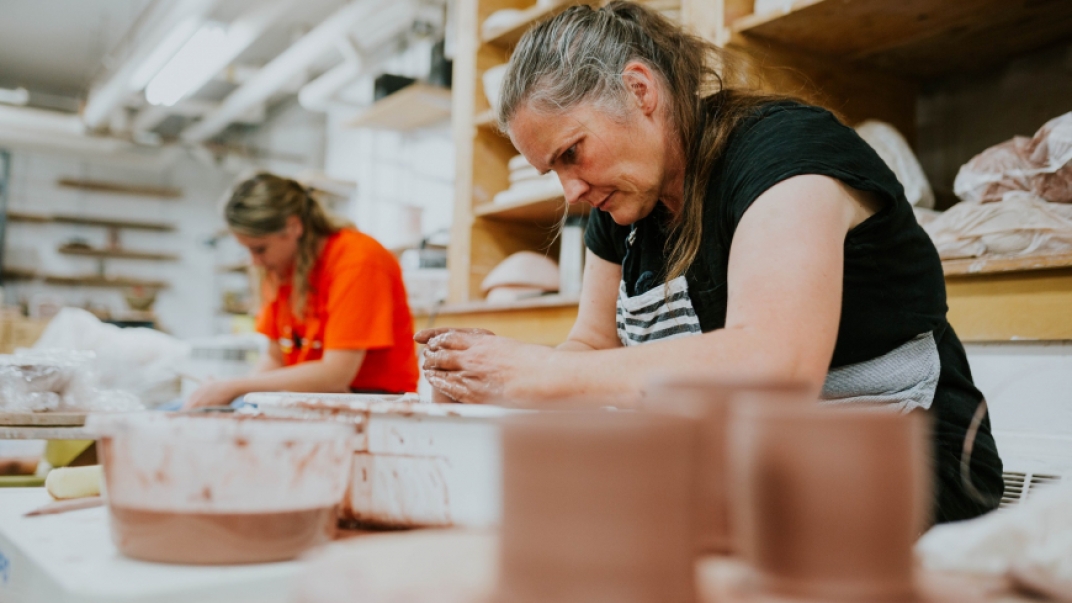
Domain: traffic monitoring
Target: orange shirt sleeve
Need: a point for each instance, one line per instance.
(360, 305)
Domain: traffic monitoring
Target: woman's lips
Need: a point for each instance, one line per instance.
(603, 203)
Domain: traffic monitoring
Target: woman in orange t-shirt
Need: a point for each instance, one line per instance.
(335, 309)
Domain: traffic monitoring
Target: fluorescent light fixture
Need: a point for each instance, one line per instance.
(163, 53)
(207, 51)
(18, 96)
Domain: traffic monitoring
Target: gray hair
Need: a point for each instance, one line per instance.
(580, 55)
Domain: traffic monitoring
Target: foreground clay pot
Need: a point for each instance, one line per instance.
(829, 501)
(707, 402)
(214, 490)
(597, 508)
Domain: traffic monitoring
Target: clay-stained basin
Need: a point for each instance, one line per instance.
(221, 490)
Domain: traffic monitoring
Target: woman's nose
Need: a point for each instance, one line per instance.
(573, 189)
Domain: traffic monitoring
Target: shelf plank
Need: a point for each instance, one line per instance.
(18, 216)
(101, 281)
(98, 186)
(921, 38)
(108, 223)
(117, 253)
(540, 211)
(486, 119)
(414, 106)
(997, 265)
(507, 37)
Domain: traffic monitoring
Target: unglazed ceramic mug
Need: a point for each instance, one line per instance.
(707, 402)
(597, 508)
(829, 500)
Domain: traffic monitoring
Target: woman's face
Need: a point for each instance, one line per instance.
(615, 164)
(275, 252)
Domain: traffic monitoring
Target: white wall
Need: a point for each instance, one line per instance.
(1028, 388)
(394, 171)
(188, 307)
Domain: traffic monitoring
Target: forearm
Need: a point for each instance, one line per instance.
(733, 354)
(573, 345)
(314, 376)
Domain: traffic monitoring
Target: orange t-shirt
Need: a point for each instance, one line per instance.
(357, 301)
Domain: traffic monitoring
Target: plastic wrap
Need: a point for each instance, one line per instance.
(1041, 165)
(141, 361)
(1022, 224)
(1031, 544)
(56, 380)
(894, 150)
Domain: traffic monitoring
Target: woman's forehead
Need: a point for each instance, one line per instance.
(538, 134)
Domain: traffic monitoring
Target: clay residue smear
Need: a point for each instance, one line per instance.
(219, 538)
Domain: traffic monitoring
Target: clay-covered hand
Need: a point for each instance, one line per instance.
(211, 393)
(473, 366)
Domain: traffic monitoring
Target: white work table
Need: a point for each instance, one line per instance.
(69, 558)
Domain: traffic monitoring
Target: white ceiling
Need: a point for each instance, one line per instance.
(56, 46)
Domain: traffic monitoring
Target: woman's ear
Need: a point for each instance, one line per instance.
(640, 82)
(295, 228)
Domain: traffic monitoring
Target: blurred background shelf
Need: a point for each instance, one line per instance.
(99, 186)
(542, 211)
(117, 253)
(919, 38)
(414, 106)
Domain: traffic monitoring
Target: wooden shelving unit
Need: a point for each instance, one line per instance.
(102, 281)
(414, 106)
(507, 37)
(126, 254)
(998, 265)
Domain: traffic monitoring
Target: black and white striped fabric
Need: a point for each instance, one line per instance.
(663, 312)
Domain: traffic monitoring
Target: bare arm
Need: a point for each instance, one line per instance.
(595, 328)
(785, 285)
(331, 374)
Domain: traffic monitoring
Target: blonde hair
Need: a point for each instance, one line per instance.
(580, 55)
(259, 206)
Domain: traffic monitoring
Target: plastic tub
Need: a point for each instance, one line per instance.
(215, 490)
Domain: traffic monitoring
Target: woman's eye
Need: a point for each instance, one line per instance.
(570, 154)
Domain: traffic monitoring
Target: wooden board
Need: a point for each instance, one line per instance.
(540, 211)
(117, 253)
(1007, 306)
(414, 106)
(42, 419)
(923, 38)
(18, 216)
(486, 119)
(98, 186)
(985, 265)
(543, 322)
(44, 433)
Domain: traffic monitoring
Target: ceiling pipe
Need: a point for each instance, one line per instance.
(158, 27)
(287, 65)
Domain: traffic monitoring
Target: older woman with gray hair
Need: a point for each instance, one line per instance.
(732, 234)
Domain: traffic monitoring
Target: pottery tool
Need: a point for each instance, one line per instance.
(63, 506)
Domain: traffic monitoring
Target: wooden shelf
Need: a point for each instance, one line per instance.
(15, 216)
(997, 265)
(543, 211)
(921, 38)
(486, 119)
(98, 186)
(100, 281)
(117, 253)
(414, 106)
(508, 37)
(239, 268)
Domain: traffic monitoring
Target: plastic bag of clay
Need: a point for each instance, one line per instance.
(1051, 151)
(1021, 224)
(1030, 544)
(1041, 164)
(894, 150)
(56, 380)
(142, 362)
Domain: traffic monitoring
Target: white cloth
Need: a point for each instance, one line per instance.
(1021, 224)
